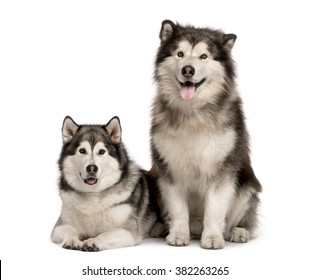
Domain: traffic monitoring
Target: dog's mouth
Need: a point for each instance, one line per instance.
(90, 181)
(188, 89)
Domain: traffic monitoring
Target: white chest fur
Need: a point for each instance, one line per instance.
(94, 214)
(194, 156)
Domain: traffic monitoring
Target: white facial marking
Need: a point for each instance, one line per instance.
(192, 56)
(75, 167)
(192, 51)
(205, 67)
(207, 70)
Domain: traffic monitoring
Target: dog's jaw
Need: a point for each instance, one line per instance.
(188, 89)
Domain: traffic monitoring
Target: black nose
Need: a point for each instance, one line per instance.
(91, 169)
(188, 71)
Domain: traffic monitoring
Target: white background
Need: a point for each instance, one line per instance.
(93, 60)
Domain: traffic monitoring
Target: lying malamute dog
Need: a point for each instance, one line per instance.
(106, 200)
(199, 140)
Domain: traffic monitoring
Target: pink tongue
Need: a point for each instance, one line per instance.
(187, 93)
(91, 181)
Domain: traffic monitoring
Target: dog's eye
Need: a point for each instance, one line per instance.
(101, 152)
(180, 54)
(203, 56)
(82, 151)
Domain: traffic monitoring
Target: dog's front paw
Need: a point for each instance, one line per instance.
(239, 235)
(212, 242)
(72, 244)
(178, 239)
(90, 245)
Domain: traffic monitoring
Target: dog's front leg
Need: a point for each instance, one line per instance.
(67, 236)
(176, 205)
(116, 238)
(217, 202)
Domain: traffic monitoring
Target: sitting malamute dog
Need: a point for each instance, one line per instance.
(106, 197)
(199, 140)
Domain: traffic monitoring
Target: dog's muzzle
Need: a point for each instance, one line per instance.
(188, 87)
(91, 178)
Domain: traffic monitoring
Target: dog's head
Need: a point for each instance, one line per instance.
(195, 61)
(90, 159)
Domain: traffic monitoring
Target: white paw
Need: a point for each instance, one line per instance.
(178, 239)
(90, 245)
(72, 244)
(212, 242)
(239, 235)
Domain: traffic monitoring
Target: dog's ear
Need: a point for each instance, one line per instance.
(69, 128)
(229, 41)
(167, 29)
(114, 129)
